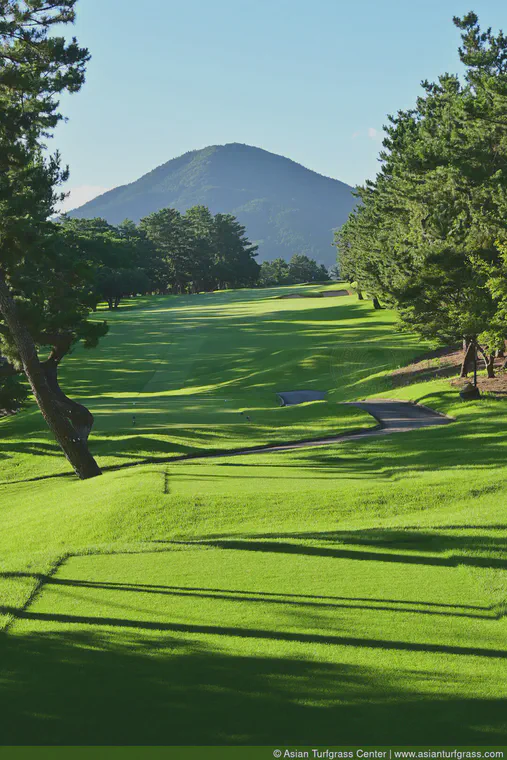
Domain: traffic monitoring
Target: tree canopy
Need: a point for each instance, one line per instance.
(198, 251)
(427, 236)
(299, 269)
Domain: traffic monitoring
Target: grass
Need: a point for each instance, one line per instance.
(356, 591)
(264, 645)
(193, 369)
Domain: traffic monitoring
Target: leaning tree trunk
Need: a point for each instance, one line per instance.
(79, 416)
(73, 446)
(376, 303)
(360, 295)
(490, 364)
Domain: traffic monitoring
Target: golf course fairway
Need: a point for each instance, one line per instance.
(354, 593)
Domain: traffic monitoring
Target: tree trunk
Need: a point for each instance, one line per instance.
(360, 295)
(468, 356)
(376, 303)
(79, 416)
(74, 448)
(489, 361)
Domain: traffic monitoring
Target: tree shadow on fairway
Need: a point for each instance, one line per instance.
(221, 346)
(34, 448)
(300, 601)
(425, 547)
(130, 688)
(474, 442)
(183, 343)
(258, 634)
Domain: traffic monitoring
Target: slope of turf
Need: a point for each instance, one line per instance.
(357, 590)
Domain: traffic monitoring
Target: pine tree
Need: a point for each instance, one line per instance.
(425, 235)
(35, 68)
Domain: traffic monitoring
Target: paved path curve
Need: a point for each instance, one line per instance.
(391, 416)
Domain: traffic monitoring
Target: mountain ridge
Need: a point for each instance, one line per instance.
(285, 207)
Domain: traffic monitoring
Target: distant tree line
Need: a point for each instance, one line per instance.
(429, 236)
(168, 252)
(197, 251)
(298, 270)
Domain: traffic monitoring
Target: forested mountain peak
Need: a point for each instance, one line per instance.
(285, 207)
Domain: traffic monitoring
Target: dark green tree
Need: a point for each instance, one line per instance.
(274, 272)
(54, 295)
(423, 238)
(13, 394)
(170, 233)
(145, 255)
(117, 255)
(201, 228)
(36, 66)
(304, 269)
(233, 254)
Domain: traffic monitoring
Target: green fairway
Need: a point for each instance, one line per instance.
(192, 369)
(355, 592)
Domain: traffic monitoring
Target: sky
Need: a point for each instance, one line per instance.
(312, 80)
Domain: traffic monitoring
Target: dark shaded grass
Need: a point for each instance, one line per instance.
(96, 688)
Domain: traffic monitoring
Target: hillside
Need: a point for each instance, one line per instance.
(285, 207)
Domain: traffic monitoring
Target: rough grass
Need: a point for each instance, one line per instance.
(356, 590)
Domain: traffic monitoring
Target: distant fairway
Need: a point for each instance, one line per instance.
(353, 593)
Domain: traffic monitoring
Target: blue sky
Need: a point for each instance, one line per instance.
(309, 79)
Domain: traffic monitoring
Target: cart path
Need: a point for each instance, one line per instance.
(391, 416)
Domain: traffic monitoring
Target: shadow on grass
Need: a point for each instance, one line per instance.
(356, 554)
(245, 344)
(256, 597)
(254, 633)
(476, 442)
(103, 688)
(425, 547)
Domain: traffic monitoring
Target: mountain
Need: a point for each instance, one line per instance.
(285, 207)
